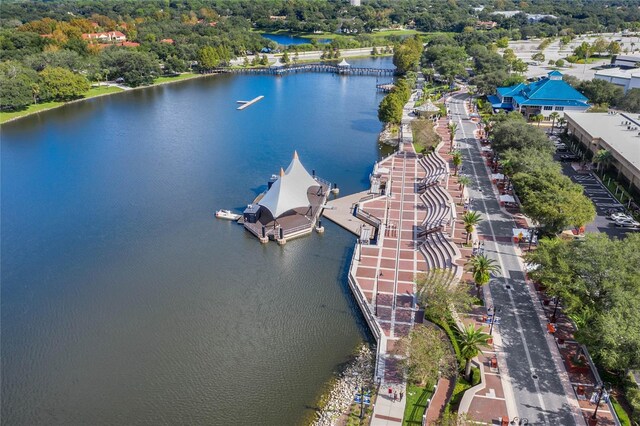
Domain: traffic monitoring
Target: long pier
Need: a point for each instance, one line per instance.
(246, 104)
(315, 67)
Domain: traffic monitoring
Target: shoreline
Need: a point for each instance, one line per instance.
(162, 83)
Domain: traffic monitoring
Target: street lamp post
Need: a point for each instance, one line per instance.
(555, 309)
(493, 319)
(601, 392)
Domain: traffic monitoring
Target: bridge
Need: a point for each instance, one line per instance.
(313, 67)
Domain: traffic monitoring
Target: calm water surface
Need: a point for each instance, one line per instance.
(125, 302)
(287, 40)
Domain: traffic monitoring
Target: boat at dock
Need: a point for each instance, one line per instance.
(227, 214)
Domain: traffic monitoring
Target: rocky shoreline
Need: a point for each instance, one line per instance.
(338, 398)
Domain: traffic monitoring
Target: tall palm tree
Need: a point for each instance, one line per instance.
(453, 127)
(470, 220)
(602, 158)
(538, 118)
(472, 340)
(456, 159)
(553, 116)
(464, 181)
(482, 267)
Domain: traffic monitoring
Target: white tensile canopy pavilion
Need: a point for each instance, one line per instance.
(290, 190)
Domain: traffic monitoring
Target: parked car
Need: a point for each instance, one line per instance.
(619, 216)
(627, 223)
(569, 157)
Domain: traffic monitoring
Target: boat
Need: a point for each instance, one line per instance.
(227, 214)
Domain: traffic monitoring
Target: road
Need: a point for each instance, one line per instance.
(536, 390)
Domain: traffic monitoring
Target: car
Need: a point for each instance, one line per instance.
(629, 223)
(619, 216)
(569, 157)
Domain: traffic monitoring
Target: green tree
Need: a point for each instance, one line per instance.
(472, 340)
(601, 92)
(427, 354)
(60, 84)
(538, 118)
(600, 45)
(539, 56)
(614, 48)
(553, 116)
(456, 160)
(209, 58)
(285, 58)
(597, 280)
(390, 109)
(602, 159)
(481, 268)
(16, 85)
(440, 292)
(630, 101)
(135, 67)
(502, 42)
(470, 219)
(464, 181)
(514, 133)
(453, 128)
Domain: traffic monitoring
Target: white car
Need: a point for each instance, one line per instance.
(627, 223)
(620, 216)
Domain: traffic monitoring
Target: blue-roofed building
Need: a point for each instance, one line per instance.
(541, 97)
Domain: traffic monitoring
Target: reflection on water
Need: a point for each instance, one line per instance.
(125, 302)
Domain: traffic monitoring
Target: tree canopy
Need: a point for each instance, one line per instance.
(598, 280)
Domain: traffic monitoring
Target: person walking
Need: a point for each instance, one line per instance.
(390, 392)
(401, 395)
(395, 396)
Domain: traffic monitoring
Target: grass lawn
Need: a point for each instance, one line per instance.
(93, 92)
(416, 403)
(184, 76)
(622, 415)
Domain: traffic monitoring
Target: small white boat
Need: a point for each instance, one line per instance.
(227, 214)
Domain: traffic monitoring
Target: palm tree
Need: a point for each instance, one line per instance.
(538, 118)
(472, 339)
(464, 181)
(470, 220)
(456, 159)
(602, 158)
(482, 267)
(561, 121)
(453, 127)
(553, 116)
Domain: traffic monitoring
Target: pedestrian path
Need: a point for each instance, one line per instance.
(382, 275)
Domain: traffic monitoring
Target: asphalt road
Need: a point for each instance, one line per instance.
(536, 388)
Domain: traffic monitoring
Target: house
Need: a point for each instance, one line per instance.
(167, 41)
(625, 61)
(544, 96)
(110, 36)
(486, 25)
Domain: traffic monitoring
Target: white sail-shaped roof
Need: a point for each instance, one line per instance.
(344, 63)
(290, 190)
(277, 64)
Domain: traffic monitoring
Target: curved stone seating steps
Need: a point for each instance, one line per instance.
(432, 166)
(440, 252)
(437, 203)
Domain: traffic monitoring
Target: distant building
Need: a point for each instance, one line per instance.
(486, 25)
(355, 2)
(106, 37)
(531, 17)
(544, 96)
(278, 18)
(626, 61)
(167, 41)
(617, 133)
(626, 78)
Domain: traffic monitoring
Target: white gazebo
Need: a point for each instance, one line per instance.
(344, 64)
(427, 109)
(276, 64)
(290, 190)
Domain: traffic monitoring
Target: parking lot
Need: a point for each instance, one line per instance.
(602, 199)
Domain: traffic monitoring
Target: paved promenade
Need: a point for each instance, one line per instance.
(382, 275)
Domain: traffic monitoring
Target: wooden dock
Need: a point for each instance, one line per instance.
(246, 104)
(313, 67)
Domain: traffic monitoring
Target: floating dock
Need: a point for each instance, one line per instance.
(246, 104)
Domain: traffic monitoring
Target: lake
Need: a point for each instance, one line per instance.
(124, 301)
(287, 40)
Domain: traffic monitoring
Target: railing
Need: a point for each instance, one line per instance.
(367, 217)
(323, 181)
